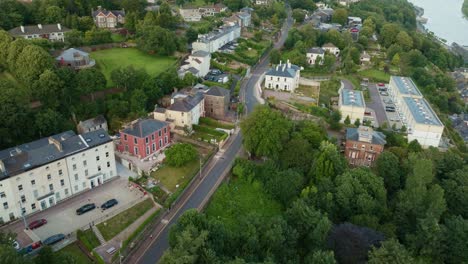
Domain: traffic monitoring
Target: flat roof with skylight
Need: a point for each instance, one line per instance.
(422, 112)
(406, 86)
(352, 98)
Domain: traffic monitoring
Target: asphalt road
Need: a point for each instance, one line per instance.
(152, 252)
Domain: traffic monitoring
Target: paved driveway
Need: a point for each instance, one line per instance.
(62, 218)
(376, 104)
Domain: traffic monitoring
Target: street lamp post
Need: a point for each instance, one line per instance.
(22, 214)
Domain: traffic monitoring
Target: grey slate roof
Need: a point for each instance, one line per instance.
(282, 70)
(144, 127)
(377, 137)
(35, 30)
(316, 50)
(218, 91)
(92, 122)
(200, 53)
(69, 54)
(186, 104)
(41, 152)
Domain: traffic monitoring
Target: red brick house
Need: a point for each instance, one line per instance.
(144, 137)
(363, 145)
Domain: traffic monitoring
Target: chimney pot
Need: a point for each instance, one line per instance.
(22, 28)
(39, 26)
(59, 26)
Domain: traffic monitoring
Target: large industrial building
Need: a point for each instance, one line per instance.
(415, 112)
(351, 104)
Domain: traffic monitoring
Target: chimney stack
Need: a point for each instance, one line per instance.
(39, 26)
(22, 28)
(56, 143)
(59, 26)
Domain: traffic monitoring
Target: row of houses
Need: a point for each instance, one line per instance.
(56, 32)
(195, 14)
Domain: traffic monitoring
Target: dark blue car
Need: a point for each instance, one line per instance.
(53, 239)
(109, 204)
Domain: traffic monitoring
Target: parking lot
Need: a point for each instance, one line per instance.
(381, 99)
(62, 218)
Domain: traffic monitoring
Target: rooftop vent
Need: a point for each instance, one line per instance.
(27, 165)
(102, 135)
(88, 140)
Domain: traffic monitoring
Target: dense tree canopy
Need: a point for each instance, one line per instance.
(180, 154)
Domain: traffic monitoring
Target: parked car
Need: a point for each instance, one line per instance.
(384, 93)
(53, 239)
(109, 204)
(390, 109)
(382, 89)
(16, 245)
(388, 101)
(381, 84)
(394, 119)
(85, 208)
(37, 223)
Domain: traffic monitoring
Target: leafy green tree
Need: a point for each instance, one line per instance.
(414, 146)
(391, 251)
(89, 81)
(387, 166)
(31, 63)
(396, 59)
(155, 39)
(298, 15)
(340, 16)
(388, 34)
(297, 154)
(97, 36)
(311, 225)
(347, 121)
(265, 132)
(12, 14)
(138, 101)
(14, 51)
(275, 56)
(456, 191)
(74, 37)
(180, 154)
(420, 200)
(320, 257)
(328, 164)
(131, 20)
(129, 78)
(357, 122)
(310, 131)
(455, 240)
(191, 34)
(360, 193)
(284, 186)
(5, 41)
(53, 15)
(404, 40)
(48, 89)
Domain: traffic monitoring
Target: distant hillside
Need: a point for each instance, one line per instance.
(465, 8)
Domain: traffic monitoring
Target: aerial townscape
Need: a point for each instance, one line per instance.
(232, 131)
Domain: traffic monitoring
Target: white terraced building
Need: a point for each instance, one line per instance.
(351, 104)
(214, 40)
(415, 112)
(37, 175)
(283, 77)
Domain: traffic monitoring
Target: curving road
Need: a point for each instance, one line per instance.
(198, 194)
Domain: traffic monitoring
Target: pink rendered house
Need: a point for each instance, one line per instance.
(144, 137)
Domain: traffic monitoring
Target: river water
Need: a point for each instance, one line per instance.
(445, 19)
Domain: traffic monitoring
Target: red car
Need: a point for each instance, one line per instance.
(381, 84)
(37, 223)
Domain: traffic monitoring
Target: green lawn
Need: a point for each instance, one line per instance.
(210, 122)
(118, 223)
(110, 59)
(76, 252)
(375, 75)
(89, 239)
(172, 176)
(238, 198)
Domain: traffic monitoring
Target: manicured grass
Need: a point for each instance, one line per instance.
(375, 75)
(204, 133)
(110, 59)
(172, 176)
(76, 252)
(210, 122)
(239, 198)
(89, 239)
(118, 223)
